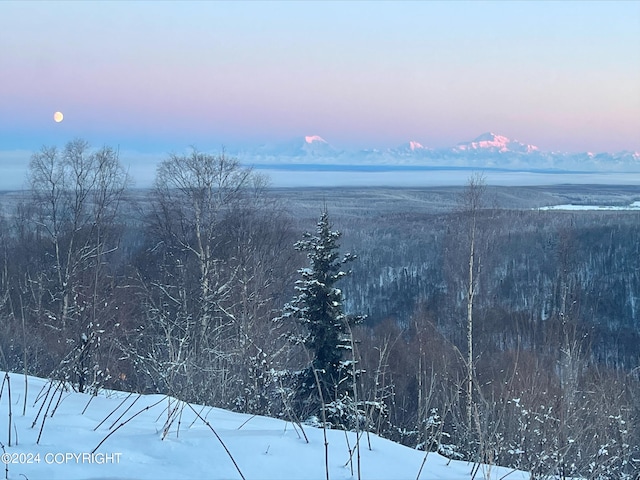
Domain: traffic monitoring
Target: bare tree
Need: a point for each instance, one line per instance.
(471, 203)
(7, 316)
(193, 193)
(76, 194)
(208, 277)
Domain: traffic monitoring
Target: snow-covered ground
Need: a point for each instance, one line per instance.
(117, 435)
(633, 206)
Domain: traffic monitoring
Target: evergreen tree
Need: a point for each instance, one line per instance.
(318, 308)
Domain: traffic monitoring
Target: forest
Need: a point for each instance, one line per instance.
(463, 320)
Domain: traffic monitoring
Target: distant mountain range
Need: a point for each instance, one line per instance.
(489, 150)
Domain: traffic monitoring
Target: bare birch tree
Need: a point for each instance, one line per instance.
(208, 276)
(76, 194)
(471, 203)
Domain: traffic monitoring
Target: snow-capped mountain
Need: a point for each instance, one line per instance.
(411, 147)
(414, 146)
(311, 139)
(316, 145)
(299, 148)
(489, 150)
(490, 142)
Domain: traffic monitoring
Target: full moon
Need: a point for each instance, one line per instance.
(58, 117)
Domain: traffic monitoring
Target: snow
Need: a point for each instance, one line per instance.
(496, 142)
(633, 206)
(116, 435)
(415, 146)
(314, 138)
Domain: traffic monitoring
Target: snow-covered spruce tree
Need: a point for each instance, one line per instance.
(324, 329)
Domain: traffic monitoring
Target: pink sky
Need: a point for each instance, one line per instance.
(559, 75)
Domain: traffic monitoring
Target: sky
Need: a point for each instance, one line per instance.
(160, 76)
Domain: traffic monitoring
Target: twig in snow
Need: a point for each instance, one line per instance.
(113, 411)
(148, 407)
(219, 439)
(6, 464)
(35, 420)
(125, 411)
(57, 403)
(87, 405)
(247, 421)
(7, 379)
(44, 419)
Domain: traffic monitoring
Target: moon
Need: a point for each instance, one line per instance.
(58, 117)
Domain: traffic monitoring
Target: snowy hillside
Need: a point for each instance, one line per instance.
(116, 435)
